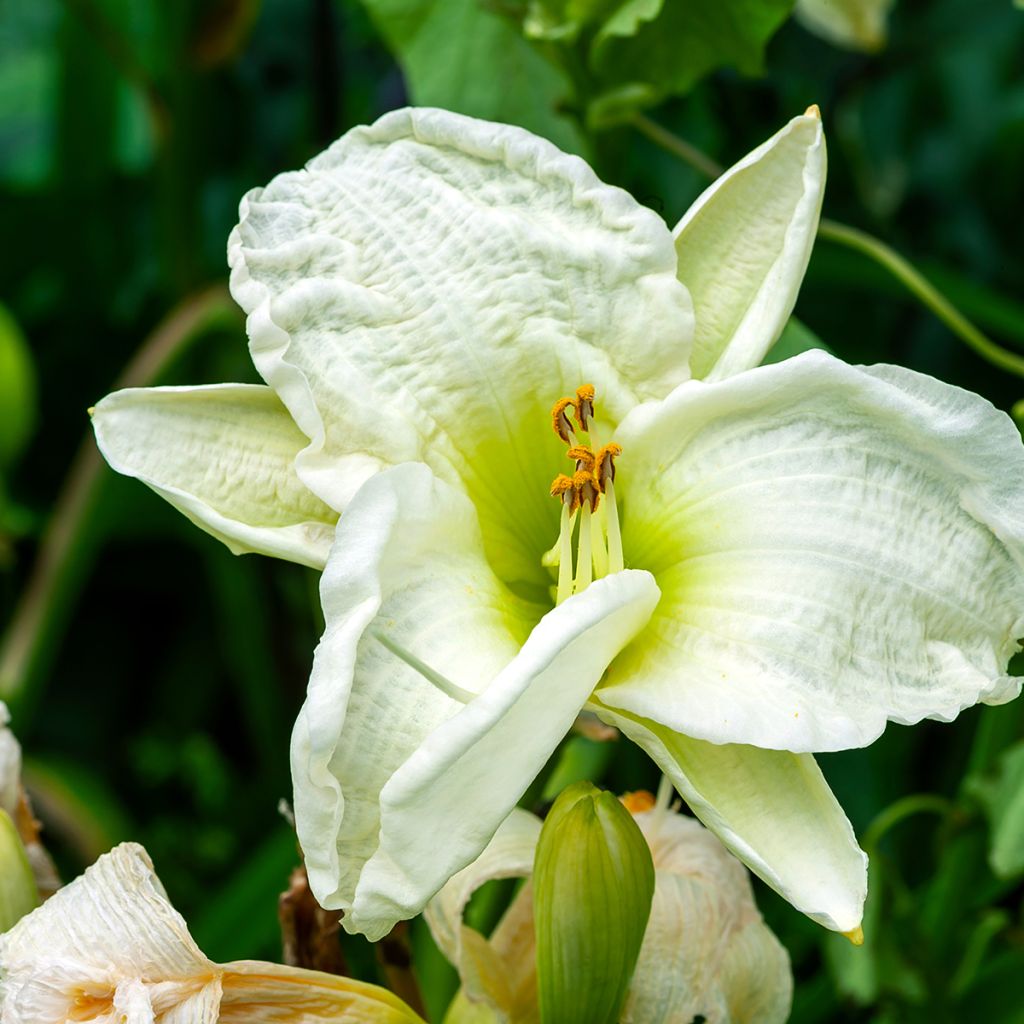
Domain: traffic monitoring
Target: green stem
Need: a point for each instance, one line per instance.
(920, 803)
(860, 241)
(54, 570)
(922, 289)
(679, 147)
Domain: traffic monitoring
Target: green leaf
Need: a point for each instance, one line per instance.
(461, 56)
(17, 389)
(593, 885)
(796, 338)
(18, 893)
(670, 46)
(1003, 800)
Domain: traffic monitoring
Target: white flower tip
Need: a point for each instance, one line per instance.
(813, 111)
(855, 935)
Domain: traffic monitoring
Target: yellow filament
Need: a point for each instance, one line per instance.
(584, 574)
(598, 537)
(565, 556)
(615, 560)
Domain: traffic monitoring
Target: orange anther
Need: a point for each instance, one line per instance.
(560, 421)
(584, 406)
(604, 464)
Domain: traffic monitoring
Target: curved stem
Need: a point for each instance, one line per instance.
(860, 241)
(923, 290)
(38, 604)
(919, 803)
(672, 143)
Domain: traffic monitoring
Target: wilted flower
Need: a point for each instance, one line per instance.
(14, 803)
(706, 952)
(110, 948)
(812, 548)
(854, 24)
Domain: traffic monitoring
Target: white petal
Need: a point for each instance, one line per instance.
(224, 456)
(707, 952)
(102, 936)
(857, 24)
(397, 785)
(773, 810)
(837, 546)
(10, 765)
(426, 289)
(744, 246)
(498, 972)
(508, 855)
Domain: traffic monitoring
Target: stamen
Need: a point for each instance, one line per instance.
(584, 406)
(443, 683)
(604, 464)
(564, 488)
(560, 421)
(586, 486)
(604, 473)
(584, 457)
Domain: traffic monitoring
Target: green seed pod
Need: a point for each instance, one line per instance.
(18, 893)
(593, 884)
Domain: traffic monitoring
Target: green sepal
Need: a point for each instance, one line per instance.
(593, 884)
(18, 893)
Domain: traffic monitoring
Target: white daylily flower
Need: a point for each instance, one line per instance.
(854, 24)
(812, 548)
(110, 949)
(706, 952)
(10, 765)
(14, 802)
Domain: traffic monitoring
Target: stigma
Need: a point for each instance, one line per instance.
(587, 497)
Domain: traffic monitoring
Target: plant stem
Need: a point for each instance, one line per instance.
(922, 289)
(919, 803)
(43, 596)
(860, 241)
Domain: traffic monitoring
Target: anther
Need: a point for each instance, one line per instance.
(584, 406)
(604, 465)
(586, 487)
(584, 457)
(564, 487)
(560, 421)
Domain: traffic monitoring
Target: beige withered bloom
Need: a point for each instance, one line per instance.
(15, 803)
(110, 949)
(706, 952)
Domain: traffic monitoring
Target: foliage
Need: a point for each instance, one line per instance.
(159, 706)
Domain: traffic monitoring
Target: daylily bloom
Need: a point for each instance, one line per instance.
(706, 953)
(853, 24)
(811, 549)
(14, 802)
(110, 949)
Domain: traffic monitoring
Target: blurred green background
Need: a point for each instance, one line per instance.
(154, 677)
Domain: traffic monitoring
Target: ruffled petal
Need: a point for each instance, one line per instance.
(707, 953)
(854, 24)
(773, 810)
(744, 246)
(436, 696)
(224, 455)
(103, 938)
(10, 765)
(837, 547)
(426, 289)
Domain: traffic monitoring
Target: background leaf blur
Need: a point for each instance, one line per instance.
(157, 704)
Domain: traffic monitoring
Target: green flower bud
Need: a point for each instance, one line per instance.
(18, 893)
(593, 884)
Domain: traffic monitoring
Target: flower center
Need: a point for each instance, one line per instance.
(599, 544)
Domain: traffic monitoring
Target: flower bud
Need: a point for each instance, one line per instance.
(18, 893)
(593, 885)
